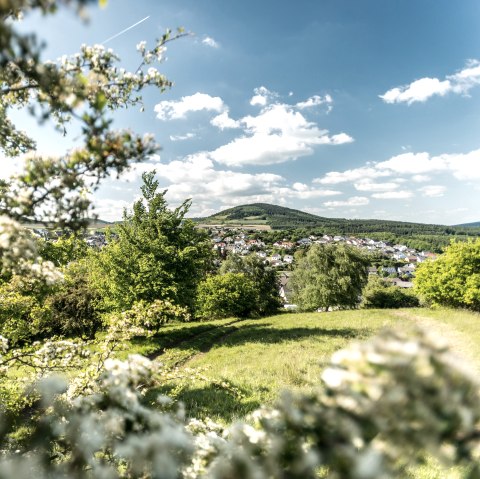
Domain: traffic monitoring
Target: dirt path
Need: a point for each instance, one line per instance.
(459, 342)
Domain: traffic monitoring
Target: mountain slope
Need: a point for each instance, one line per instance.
(475, 224)
(279, 217)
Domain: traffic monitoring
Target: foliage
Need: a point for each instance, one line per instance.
(267, 299)
(159, 254)
(75, 306)
(229, 294)
(20, 313)
(384, 295)
(63, 250)
(453, 279)
(329, 276)
(152, 316)
(81, 88)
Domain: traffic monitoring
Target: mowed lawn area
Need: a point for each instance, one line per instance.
(228, 368)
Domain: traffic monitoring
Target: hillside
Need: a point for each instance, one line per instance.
(475, 224)
(279, 217)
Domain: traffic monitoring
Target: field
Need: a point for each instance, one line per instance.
(225, 369)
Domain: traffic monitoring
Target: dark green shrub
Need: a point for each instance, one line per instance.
(383, 295)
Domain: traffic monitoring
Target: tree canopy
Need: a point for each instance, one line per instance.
(329, 276)
(453, 279)
(159, 254)
(266, 299)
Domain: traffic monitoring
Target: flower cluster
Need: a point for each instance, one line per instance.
(18, 254)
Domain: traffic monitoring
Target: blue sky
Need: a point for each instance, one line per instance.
(355, 109)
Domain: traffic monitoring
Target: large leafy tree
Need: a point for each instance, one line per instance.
(329, 276)
(453, 279)
(159, 254)
(267, 299)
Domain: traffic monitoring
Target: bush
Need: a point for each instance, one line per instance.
(383, 295)
(152, 316)
(229, 294)
(75, 305)
(20, 316)
(329, 276)
(453, 279)
(267, 298)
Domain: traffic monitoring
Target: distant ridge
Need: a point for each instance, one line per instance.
(280, 217)
(475, 224)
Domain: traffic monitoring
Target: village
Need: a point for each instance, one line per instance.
(396, 262)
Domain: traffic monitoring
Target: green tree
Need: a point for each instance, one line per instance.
(453, 279)
(63, 250)
(229, 294)
(159, 254)
(329, 276)
(382, 294)
(267, 299)
(75, 306)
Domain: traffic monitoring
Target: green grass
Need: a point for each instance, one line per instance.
(229, 368)
(245, 364)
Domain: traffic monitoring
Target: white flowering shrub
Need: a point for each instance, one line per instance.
(152, 316)
(381, 407)
(19, 254)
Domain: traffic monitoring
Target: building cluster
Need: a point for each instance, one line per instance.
(280, 254)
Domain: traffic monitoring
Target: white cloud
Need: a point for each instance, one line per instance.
(315, 100)
(210, 42)
(277, 134)
(420, 178)
(433, 191)
(393, 195)
(406, 169)
(356, 174)
(12, 166)
(464, 166)
(196, 177)
(424, 88)
(367, 185)
(135, 171)
(109, 209)
(174, 110)
(262, 96)
(187, 136)
(413, 163)
(354, 201)
(223, 121)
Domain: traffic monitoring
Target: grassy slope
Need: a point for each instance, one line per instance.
(243, 364)
(246, 363)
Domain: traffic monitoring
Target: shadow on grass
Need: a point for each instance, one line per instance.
(264, 334)
(203, 338)
(211, 401)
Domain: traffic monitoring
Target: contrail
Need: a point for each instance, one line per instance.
(126, 30)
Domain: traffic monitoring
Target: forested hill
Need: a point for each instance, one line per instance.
(279, 217)
(475, 224)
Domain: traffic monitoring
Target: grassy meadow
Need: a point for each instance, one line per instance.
(227, 368)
